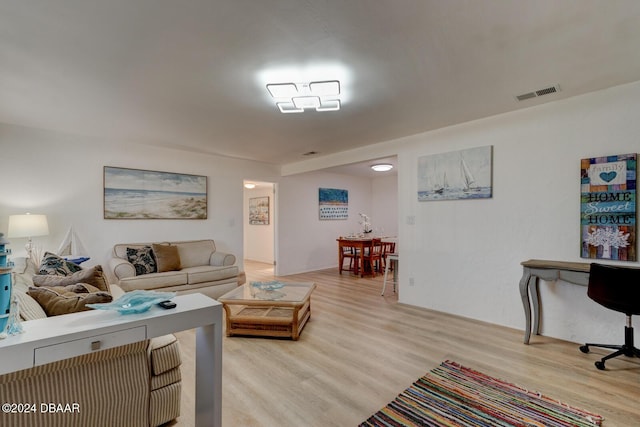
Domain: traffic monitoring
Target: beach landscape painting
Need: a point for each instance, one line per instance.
(144, 194)
(463, 174)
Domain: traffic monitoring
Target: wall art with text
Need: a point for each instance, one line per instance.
(608, 207)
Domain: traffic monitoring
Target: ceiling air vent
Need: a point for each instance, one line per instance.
(539, 92)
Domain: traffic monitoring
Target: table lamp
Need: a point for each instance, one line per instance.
(28, 226)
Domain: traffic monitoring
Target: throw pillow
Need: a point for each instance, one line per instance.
(57, 300)
(142, 259)
(167, 257)
(93, 276)
(56, 265)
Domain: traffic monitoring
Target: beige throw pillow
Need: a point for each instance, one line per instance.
(167, 257)
(57, 300)
(93, 276)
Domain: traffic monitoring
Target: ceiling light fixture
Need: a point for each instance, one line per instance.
(382, 167)
(249, 185)
(298, 97)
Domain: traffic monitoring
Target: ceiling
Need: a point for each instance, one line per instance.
(191, 74)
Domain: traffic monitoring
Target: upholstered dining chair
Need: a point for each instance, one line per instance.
(616, 288)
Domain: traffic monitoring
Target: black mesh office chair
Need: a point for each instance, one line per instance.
(617, 288)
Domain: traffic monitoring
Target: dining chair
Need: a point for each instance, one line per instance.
(373, 256)
(348, 253)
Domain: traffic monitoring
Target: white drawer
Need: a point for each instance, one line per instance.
(65, 350)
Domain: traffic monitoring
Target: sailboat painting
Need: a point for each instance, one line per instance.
(463, 174)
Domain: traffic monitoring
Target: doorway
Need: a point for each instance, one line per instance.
(259, 222)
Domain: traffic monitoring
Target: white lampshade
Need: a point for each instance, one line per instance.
(28, 225)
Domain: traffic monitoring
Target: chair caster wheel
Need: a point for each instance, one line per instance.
(584, 348)
(600, 365)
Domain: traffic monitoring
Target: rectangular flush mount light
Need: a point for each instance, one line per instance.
(297, 97)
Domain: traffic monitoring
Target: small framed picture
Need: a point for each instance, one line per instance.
(259, 210)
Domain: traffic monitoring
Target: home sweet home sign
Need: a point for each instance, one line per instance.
(608, 207)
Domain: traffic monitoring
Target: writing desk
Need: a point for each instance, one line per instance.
(535, 269)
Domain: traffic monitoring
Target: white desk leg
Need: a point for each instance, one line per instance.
(209, 374)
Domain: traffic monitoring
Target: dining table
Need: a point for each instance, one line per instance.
(357, 245)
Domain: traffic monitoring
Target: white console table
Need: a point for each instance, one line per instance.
(62, 337)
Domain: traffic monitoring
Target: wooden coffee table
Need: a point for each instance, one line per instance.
(279, 313)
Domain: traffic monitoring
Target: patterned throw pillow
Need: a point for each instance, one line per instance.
(56, 265)
(142, 259)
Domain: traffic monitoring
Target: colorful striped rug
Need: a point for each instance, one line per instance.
(452, 395)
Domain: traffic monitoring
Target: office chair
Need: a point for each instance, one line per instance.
(617, 288)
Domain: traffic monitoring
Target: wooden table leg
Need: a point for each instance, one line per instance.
(526, 303)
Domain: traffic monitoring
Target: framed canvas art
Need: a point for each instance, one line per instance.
(333, 203)
(143, 194)
(463, 174)
(608, 207)
(259, 210)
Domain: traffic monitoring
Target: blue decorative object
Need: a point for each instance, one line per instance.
(267, 286)
(134, 302)
(5, 284)
(14, 327)
(78, 260)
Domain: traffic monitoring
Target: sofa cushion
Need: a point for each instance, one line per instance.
(169, 377)
(28, 307)
(164, 404)
(205, 273)
(154, 281)
(57, 300)
(56, 265)
(164, 353)
(167, 257)
(23, 271)
(93, 276)
(143, 260)
(196, 252)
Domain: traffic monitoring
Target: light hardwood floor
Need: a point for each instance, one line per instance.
(359, 350)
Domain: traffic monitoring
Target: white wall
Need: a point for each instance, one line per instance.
(305, 243)
(464, 256)
(62, 176)
(384, 204)
(259, 239)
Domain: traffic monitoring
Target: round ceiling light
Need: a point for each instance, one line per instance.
(249, 185)
(382, 167)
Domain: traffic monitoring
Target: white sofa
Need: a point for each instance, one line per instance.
(201, 268)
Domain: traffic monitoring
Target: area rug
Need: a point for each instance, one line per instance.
(452, 395)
